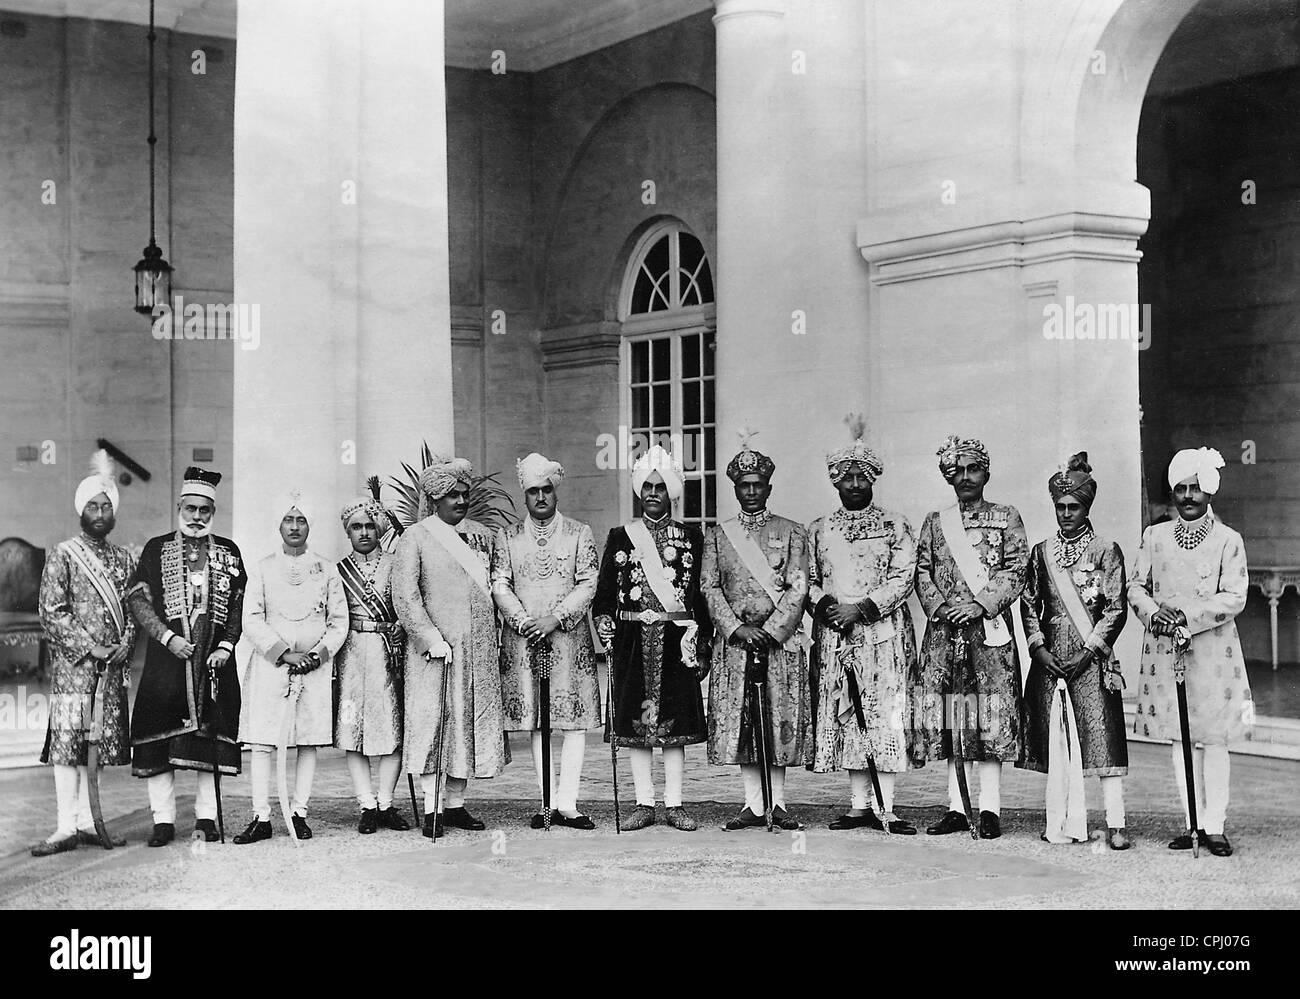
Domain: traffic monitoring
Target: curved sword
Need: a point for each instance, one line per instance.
(96, 730)
(961, 659)
(291, 694)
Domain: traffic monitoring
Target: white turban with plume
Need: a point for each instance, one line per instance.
(101, 480)
(292, 500)
(536, 470)
(1203, 463)
(668, 467)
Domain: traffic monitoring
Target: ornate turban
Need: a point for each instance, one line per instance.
(200, 482)
(100, 480)
(855, 455)
(441, 477)
(749, 461)
(954, 447)
(536, 470)
(1074, 479)
(1203, 463)
(369, 506)
(292, 500)
(668, 467)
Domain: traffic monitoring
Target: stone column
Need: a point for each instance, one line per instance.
(341, 245)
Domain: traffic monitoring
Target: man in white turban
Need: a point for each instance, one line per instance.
(1187, 587)
(543, 582)
(90, 637)
(652, 616)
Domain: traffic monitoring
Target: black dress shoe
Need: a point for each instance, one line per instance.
(952, 822)
(901, 827)
(867, 820)
(784, 819)
(578, 821)
(47, 848)
(433, 827)
(255, 833)
(163, 833)
(209, 829)
(538, 821)
(300, 826)
(88, 837)
(459, 818)
(1218, 844)
(745, 819)
(990, 825)
(391, 818)
(1184, 842)
(1118, 839)
(369, 820)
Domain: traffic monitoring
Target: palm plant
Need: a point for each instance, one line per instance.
(489, 503)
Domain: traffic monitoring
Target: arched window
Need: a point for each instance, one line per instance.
(669, 331)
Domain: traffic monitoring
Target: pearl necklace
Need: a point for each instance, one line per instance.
(754, 522)
(366, 565)
(1189, 537)
(1066, 551)
(544, 561)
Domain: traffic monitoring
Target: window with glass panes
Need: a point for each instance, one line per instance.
(669, 331)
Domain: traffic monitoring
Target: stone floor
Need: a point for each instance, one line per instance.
(511, 866)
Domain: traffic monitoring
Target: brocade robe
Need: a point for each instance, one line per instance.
(736, 597)
(368, 698)
(988, 678)
(1096, 694)
(856, 556)
(1208, 584)
(176, 723)
(656, 695)
(437, 601)
(76, 619)
(533, 580)
(294, 603)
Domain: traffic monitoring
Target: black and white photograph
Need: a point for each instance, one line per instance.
(652, 455)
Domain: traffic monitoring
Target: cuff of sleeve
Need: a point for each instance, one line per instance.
(1035, 641)
(990, 606)
(276, 651)
(168, 635)
(870, 610)
(226, 645)
(934, 614)
(825, 602)
(1099, 647)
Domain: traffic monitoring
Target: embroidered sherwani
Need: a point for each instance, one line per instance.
(989, 682)
(858, 555)
(437, 601)
(294, 603)
(175, 722)
(76, 619)
(656, 687)
(533, 576)
(368, 708)
(736, 597)
(1208, 584)
(1097, 575)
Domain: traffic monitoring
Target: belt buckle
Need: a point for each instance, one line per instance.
(648, 616)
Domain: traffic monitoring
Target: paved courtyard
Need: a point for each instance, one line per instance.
(511, 866)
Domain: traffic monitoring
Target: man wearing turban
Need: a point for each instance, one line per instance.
(90, 636)
(296, 618)
(1074, 608)
(1188, 585)
(755, 579)
(543, 581)
(654, 620)
(970, 571)
(188, 596)
(368, 719)
(862, 561)
(442, 595)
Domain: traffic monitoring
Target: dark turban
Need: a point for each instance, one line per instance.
(1074, 479)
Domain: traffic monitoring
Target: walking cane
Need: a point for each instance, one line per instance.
(609, 730)
(442, 738)
(540, 654)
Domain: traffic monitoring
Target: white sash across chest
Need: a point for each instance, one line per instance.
(653, 567)
(455, 546)
(971, 569)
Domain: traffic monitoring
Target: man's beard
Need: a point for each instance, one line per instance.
(194, 529)
(97, 532)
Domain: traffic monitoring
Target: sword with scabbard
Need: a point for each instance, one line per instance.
(213, 684)
(961, 663)
(756, 674)
(1182, 641)
(841, 651)
(95, 731)
(540, 656)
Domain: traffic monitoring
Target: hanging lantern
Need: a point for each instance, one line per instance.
(153, 275)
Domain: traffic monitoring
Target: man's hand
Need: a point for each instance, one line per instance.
(750, 635)
(536, 629)
(870, 612)
(440, 650)
(119, 653)
(1079, 662)
(703, 664)
(1044, 658)
(180, 648)
(218, 658)
(1166, 619)
(844, 616)
(965, 613)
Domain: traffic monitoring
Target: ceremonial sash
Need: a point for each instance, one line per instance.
(972, 570)
(455, 546)
(375, 605)
(1069, 594)
(752, 558)
(99, 579)
(653, 567)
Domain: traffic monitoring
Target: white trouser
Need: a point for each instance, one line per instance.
(162, 796)
(1112, 794)
(990, 785)
(1210, 768)
(453, 795)
(574, 747)
(862, 795)
(260, 778)
(390, 769)
(72, 800)
(674, 770)
(751, 773)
